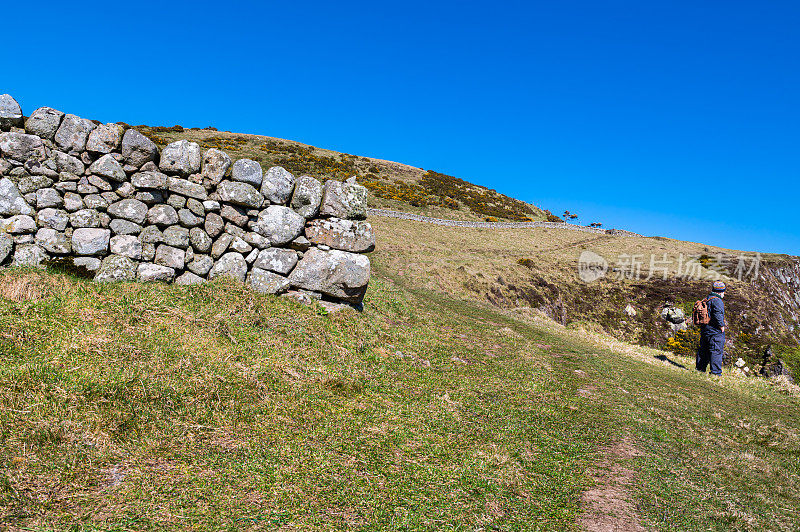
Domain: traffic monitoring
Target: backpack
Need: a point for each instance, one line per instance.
(700, 315)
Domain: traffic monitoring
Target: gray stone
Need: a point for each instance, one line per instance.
(256, 240)
(86, 218)
(307, 197)
(176, 236)
(151, 235)
(344, 200)
(127, 246)
(276, 260)
(189, 219)
(44, 122)
(86, 188)
(150, 197)
(129, 209)
(279, 224)
(53, 241)
(238, 244)
(176, 201)
(234, 214)
(68, 163)
(116, 268)
(187, 188)
(66, 186)
(235, 230)
(169, 256)
(200, 240)
(335, 273)
(148, 252)
(348, 235)
(267, 282)
(162, 215)
(247, 171)
(20, 224)
(300, 243)
(181, 157)
(211, 205)
(21, 146)
(29, 256)
(196, 206)
(125, 190)
(231, 265)
(32, 183)
(110, 197)
(124, 227)
(6, 246)
(221, 245)
(201, 264)
(73, 133)
(214, 224)
(278, 185)
(189, 255)
(73, 202)
(99, 183)
(90, 241)
(10, 112)
(155, 273)
(95, 201)
(106, 138)
(11, 201)
(47, 198)
(52, 219)
(240, 194)
(137, 149)
(108, 167)
(215, 167)
(187, 278)
(46, 168)
(252, 256)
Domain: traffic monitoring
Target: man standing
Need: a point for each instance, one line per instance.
(712, 334)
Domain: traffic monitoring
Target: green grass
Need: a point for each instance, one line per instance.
(215, 408)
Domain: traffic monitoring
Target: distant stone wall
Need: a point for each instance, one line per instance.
(496, 225)
(105, 198)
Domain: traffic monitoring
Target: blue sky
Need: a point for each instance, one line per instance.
(679, 119)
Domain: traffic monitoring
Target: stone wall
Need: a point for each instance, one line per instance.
(496, 225)
(107, 199)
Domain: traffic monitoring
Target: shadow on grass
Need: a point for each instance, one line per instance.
(665, 358)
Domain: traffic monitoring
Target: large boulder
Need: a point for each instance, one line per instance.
(155, 272)
(52, 218)
(240, 193)
(106, 138)
(347, 235)
(215, 167)
(181, 157)
(150, 179)
(335, 273)
(184, 187)
(20, 224)
(116, 268)
(344, 200)
(277, 185)
(21, 146)
(53, 241)
(87, 218)
(231, 264)
(307, 196)
(29, 256)
(129, 209)
(278, 260)
(108, 167)
(279, 224)
(90, 241)
(11, 201)
(138, 149)
(170, 257)
(267, 282)
(127, 246)
(44, 122)
(10, 112)
(73, 133)
(247, 171)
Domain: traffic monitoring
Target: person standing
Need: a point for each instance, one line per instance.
(712, 334)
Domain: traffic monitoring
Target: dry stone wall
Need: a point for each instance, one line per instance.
(109, 200)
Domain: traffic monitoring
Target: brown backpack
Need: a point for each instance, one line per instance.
(700, 315)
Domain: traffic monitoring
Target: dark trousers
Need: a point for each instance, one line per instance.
(712, 342)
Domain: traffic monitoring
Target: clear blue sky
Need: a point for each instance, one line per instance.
(676, 118)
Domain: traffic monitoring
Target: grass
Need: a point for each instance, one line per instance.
(144, 407)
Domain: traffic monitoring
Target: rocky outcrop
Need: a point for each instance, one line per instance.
(105, 198)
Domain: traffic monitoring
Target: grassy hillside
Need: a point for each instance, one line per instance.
(391, 185)
(152, 407)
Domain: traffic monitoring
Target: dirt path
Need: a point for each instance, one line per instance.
(607, 505)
